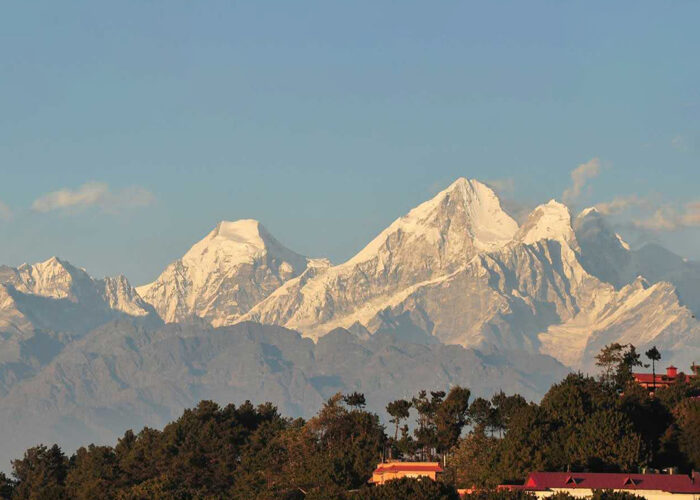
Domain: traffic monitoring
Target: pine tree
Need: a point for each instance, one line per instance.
(398, 410)
(654, 355)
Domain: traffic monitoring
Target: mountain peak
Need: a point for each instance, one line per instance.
(237, 242)
(464, 183)
(51, 262)
(242, 229)
(53, 278)
(466, 210)
(551, 221)
(221, 276)
(468, 189)
(590, 225)
(230, 243)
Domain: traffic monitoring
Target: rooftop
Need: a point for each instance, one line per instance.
(670, 376)
(408, 467)
(674, 483)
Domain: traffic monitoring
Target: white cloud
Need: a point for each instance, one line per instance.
(667, 218)
(579, 177)
(93, 194)
(5, 212)
(621, 204)
(502, 186)
(505, 189)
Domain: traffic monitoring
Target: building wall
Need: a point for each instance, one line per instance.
(388, 476)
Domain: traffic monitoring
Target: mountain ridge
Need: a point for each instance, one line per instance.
(454, 291)
(455, 269)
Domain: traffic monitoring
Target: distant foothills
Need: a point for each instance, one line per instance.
(454, 293)
(481, 448)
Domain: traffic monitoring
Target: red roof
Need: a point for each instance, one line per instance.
(666, 378)
(408, 467)
(648, 378)
(674, 483)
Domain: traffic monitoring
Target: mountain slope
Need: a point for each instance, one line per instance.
(123, 376)
(605, 255)
(222, 276)
(432, 240)
(639, 314)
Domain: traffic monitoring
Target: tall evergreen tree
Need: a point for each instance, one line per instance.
(504, 407)
(654, 355)
(617, 362)
(451, 415)
(398, 410)
(481, 414)
(41, 474)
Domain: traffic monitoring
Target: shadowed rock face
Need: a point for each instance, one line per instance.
(124, 375)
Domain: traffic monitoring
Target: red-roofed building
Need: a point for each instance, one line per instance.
(647, 381)
(395, 470)
(582, 484)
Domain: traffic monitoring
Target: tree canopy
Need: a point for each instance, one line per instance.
(253, 452)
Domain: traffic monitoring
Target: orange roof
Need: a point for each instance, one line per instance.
(408, 467)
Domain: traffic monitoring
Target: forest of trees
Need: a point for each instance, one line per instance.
(607, 423)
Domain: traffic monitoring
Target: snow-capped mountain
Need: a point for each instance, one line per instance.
(56, 296)
(47, 305)
(456, 269)
(639, 313)
(501, 298)
(459, 270)
(433, 240)
(222, 276)
(431, 271)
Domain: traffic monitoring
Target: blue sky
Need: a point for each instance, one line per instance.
(327, 120)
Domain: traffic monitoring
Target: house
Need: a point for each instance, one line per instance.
(648, 381)
(582, 484)
(387, 471)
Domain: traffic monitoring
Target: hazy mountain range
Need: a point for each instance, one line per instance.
(454, 292)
